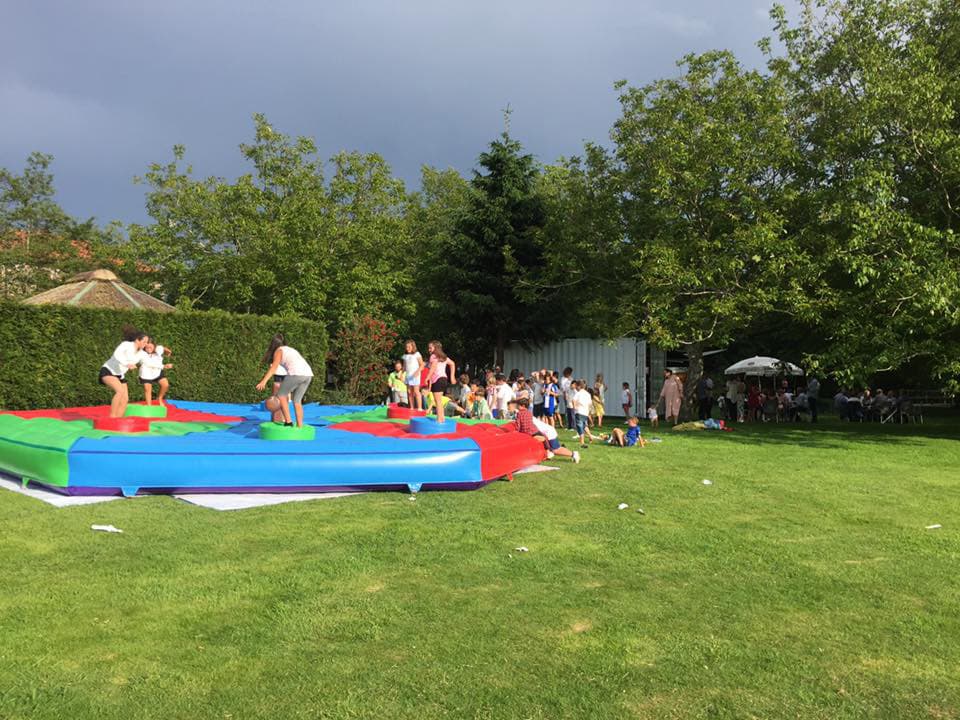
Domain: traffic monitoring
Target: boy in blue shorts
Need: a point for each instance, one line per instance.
(629, 438)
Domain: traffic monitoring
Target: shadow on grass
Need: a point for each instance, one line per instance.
(835, 434)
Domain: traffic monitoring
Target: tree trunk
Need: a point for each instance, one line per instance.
(694, 373)
(501, 342)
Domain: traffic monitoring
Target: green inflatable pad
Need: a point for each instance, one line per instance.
(273, 431)
(147, 411)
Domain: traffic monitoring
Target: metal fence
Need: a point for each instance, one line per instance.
(619, 361)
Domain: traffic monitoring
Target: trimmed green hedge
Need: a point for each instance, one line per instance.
(50, 355)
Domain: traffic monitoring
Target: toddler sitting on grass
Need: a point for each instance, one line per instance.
(629, 438)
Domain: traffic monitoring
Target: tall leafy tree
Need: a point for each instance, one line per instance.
(874, 93)
(40, 244)
(704, 162)
(283, 238)
(476, 280)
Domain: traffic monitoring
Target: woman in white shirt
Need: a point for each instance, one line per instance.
(151, 371)
(295, 382)
(126, 356)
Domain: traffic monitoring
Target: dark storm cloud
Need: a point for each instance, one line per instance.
(110, 86)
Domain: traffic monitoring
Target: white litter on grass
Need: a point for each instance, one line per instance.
(106, 528)
(655, 440)
(640, 510)
(622, 506)
(522, 549)
(708, 482)
(933, 527)
(412, 498)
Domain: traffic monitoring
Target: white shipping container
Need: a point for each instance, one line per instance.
(619, 361)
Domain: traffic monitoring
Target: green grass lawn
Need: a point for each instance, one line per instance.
(801, 584)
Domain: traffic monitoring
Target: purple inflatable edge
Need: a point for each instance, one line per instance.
(86, 491)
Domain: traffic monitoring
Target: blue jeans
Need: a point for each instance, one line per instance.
(581, 421)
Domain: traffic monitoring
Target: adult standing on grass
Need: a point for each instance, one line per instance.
(295, 382)
(126, 356)
(704, 397)
(672, 396)
(566, 391)
(813, 391)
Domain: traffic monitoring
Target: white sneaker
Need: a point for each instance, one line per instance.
(549, 454)
(576, 457)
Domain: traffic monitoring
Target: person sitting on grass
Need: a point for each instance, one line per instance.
(477, 406)
(629, 438)
(526, 423)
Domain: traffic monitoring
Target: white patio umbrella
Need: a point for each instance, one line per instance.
(763, 366)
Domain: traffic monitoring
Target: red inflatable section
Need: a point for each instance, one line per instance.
(102, 412)
(502, 449)
(395, 412)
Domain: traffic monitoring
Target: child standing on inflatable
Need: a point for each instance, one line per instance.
(412, 366)
(295, 382)
(126, 356)
(151, 371)
(443, 371)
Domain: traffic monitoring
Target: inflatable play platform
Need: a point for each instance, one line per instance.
(192, 447)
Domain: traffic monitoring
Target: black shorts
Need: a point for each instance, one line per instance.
(105, 372)
(157, 379)
(440, 385)
(538, 410)
(278, 379)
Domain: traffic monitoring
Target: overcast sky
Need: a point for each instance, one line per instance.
(109, 86)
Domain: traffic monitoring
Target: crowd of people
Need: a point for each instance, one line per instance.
(876, 405)
(740, 402)
(553, 399)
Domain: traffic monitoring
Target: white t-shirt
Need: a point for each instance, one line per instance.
(548, 431)
(152, 364)
(582, 402)
(411, 367)
(625, 398)
(733, 387)
(281, 371)
(293, 362)
(124, 355)
(651, 413)
(566, 391)
(504, 396)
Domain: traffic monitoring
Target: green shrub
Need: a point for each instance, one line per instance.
(50, 355)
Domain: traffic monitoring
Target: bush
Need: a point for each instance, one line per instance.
(362, 350)
(50, 355)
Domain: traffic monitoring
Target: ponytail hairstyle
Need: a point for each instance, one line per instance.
(131, 334)
(440, 354)
(275, 342)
